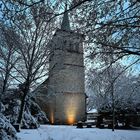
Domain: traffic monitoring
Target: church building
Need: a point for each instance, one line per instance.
(62, 96)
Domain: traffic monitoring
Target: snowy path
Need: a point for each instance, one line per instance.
(48, 132)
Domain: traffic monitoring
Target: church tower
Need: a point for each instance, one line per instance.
(65, 97)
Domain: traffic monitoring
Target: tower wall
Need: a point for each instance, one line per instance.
(62, 96)
(66, 83)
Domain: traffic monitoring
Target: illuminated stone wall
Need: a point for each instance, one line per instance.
(65, 90)
(66, 108)
(70, 108)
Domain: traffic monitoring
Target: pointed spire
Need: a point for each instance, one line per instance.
(65, 22)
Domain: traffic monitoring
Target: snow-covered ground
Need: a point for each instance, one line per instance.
(50, 132)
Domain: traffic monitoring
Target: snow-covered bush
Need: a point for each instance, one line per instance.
(2, 107)
(33, 115)
(12, 110)
(29, 121)
(7, 131)
(41, 117)
(36, 111)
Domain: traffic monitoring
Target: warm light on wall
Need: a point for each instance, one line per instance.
(52, 117)
(67, 110)
(71, 109)
(71, 118)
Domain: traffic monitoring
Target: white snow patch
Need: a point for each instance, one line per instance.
(93, 111)
(50, 132)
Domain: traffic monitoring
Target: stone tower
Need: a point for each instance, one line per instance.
(65, 97)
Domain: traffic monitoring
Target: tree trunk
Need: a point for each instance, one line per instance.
(113, 107)
(4, 84)
(23, 102)
(22, 107)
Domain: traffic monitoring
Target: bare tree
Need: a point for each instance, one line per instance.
(33, 32)
(125, 89)
(34, 54)
(8, 56)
